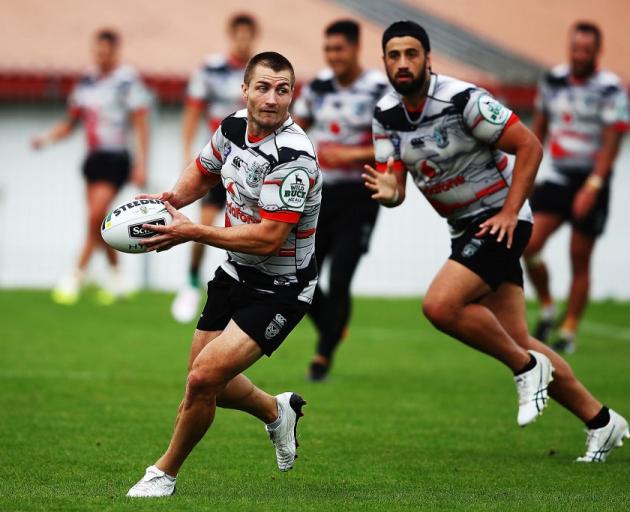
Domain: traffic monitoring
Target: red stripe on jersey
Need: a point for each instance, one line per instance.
(495, 187)
(305, 234)
(215, 152)
(398, 166)
(513, 119)
(214, 124)
(621, 126)
(286, 252)
(272, 182)
(503, 164)
(557, 151)
(75, 112)
(195, 102)
(446, 209)
(201, 167)
(284, 216)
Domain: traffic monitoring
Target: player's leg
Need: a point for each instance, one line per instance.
(606, 428)
(508, 306)
(186, 303)
(452, 305)
(545, 224)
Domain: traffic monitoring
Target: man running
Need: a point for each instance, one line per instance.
(337, 108)
(452, 138)
(112, 102)
(584, 110)
(269, 169)
(213, 89)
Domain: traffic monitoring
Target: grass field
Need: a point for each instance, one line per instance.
(409, 419)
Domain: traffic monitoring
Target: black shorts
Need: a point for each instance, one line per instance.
(266, 317)
(111, 167)
(215, 197)
(550, 197)
(492, 261)
(346, 218)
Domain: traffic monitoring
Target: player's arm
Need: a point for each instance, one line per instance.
(59, 131)
(140, 124)
(540, 125)
(190, 121)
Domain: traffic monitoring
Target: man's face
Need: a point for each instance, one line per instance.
(583, 53)
(268, 96)
(242, 39)
(105, 54)
(406, 64)
(340, 54)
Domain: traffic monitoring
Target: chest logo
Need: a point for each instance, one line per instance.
(440, 136)
(255, 172)
(294, 188)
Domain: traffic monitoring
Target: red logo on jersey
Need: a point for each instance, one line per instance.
(236, 213)
(444, 186)
(335, 128)
(429, 169)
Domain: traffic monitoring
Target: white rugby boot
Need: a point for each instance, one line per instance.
(154, 484)
(284, 434)
(186, 304)
(531, 387)
(601, 441)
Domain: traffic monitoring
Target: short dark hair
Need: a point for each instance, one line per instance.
(271, 60)
(589, 27)
(406, 28)
(245, 19)
(109, 35)
(350, 29)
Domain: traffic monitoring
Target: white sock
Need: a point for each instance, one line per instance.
(548, 312)
(276, 423)
(567, 335)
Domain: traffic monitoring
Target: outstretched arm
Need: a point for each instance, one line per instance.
(59, 131)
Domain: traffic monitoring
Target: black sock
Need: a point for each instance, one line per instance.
(528, 366)
(600, 420)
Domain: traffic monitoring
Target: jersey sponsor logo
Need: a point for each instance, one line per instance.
(137, 231)
(236, 212)
(492, 111)
(275, 326)
(445, 186)
(294, 188)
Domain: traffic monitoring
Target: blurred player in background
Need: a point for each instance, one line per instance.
(111, 101)
(584, 112)
(452, 137)
(337, 108)
(264, 288)
(213, 89)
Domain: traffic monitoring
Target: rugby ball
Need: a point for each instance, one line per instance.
(122, 227)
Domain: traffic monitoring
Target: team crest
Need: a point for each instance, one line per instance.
(255, 173)
(275, 326)
(471, 248)
(440, 136)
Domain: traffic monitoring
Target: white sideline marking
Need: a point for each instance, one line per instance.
(606, 330)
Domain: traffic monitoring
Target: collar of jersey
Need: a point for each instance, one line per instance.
(288, 122)
(432, 86)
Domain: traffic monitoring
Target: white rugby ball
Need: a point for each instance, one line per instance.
(122, 227)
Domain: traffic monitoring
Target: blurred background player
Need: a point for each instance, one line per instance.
(584, 111)
(111, 100)
(214, 88)
(336, 108)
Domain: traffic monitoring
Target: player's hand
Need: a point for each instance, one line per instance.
(501, 225)
(38, 142)
(162, 196)
(584, 201)
(384, 185)
(177, 232)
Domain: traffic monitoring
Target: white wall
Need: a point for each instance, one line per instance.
(42, 212)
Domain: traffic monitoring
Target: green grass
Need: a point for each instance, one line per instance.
(408, 420)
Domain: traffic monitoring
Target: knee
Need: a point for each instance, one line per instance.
(203, 383)
(439, 312)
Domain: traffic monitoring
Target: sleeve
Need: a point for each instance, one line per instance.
(75, 106)
(138, 96)
(540, 101)
(198, 91)
(485, 117)
(386, 144)
(614, 111)
(302, 107)
(285, 189)
(210, 160)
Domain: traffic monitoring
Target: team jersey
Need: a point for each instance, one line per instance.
(577, 113)
(340, 115)
(448, 149)
(104, 104)
(217, 84)
(274, 178)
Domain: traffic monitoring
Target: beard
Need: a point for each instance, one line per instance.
(583, 69)
(412, 86)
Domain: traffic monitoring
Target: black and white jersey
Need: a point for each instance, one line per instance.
(273, 178)
(577, 112)
(340, 115)
(217, 84)
(448, 148)
(104, 103)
